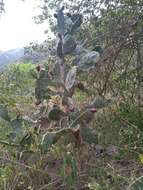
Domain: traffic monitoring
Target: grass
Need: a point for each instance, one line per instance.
(117, 127)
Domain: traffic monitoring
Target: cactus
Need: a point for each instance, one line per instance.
(88, 60)
(4, 113)
(72, 58)
(100, 102)
(69, 44)
(71, 77)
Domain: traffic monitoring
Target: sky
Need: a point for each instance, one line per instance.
(17, 28)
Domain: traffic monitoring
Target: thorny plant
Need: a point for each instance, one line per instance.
(60, 121)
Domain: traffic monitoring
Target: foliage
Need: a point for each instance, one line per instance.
(132, 114)
(137, 184)
(4, 113)
(69, 170)
(75, 121)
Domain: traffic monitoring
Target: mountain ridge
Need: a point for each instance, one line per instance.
(10, 56)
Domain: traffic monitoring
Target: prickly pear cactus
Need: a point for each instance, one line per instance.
(42, 90)
(55, 114)
(89, 60)
(100, 102)
(4, 113)
(71, 77)
(69, 44)
(55, 88)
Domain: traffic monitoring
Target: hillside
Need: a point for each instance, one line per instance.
(10, 56)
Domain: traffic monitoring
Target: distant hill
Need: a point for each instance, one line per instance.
(34, 56)
(15, 55)
(10, 56)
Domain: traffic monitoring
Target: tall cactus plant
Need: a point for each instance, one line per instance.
(58, 85)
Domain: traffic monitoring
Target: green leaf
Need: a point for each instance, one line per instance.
(34, 74)
(88, 135)
(88, 61)
(100, 102)
(77, 19)
(56, 80)
(50, 138)
(71, 77)
(55, 114)
(137, 184)
(41, 90)
(4, 113)
(28, 139)
(68, 23)
(60, 21)
(69, 170)
(69, 44)
(16, 125)
(12, 136)
(47, 141)
(56, 70)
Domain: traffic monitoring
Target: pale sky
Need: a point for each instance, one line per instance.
(17, 28)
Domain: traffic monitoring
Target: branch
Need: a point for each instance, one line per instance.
(9, 144)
